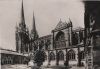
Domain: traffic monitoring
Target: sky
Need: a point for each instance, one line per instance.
(47, 15)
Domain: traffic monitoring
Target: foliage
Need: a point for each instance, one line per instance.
(39, 57)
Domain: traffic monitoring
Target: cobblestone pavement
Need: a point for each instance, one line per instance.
(19, 66)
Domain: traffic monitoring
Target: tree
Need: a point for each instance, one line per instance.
(39, 57)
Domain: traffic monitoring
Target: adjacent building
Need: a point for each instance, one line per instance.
(12, 57)
(92, 33)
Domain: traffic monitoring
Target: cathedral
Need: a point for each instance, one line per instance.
(64, 45)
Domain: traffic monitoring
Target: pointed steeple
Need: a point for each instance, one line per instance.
(70, 22)
(34, 27)
(22, 13)
(22, 16)
(60, 21)
(34, 33)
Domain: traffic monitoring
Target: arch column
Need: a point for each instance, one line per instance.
(48, 57)
(57, 60)
(67, 61)
(79, 57)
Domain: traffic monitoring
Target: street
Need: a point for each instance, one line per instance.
(17, 66)
(20, 66)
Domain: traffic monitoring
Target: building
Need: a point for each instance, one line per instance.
(9, 57)
(22, 35)
(92, 33)
(64, 44)
(22, 42)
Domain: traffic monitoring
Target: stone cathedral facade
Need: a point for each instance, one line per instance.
(64, 44)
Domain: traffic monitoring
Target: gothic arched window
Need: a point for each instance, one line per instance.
(82, 54)
(60, 36)
(51, 56)
(74, 38)
(47, 44)
(60, 55)
(60, 40)
(71, 55)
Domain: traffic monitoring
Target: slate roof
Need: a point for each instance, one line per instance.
(63, 25)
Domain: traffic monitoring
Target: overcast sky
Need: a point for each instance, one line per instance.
(47, 14)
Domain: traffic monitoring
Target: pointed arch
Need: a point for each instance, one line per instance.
(51, 56)
(82, 54)
(60, 55)
(60, 36)
(71, 54)
(60, 40)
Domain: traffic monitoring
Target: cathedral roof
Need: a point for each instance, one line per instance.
(62, 25)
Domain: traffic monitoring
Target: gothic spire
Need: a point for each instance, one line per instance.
(34, 31)
(70, 22)
(22, 15)
(34, 27)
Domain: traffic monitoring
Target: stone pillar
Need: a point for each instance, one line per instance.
(79, 57)
(53, 40)
(28, 48)
(70, 35)
(19, 46)
(48, 57)
(67, 61)
(78, 38)
(32, 47)
(57, 58)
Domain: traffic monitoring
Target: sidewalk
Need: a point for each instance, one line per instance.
(63, 67)
(17, 66)
(56, 67)
(22, 66)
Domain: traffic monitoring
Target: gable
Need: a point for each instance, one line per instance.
(61, 25)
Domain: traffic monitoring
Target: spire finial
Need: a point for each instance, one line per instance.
(22, 13)
(22, 18)
(60, 20)
(34, 27)
(70, 22)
